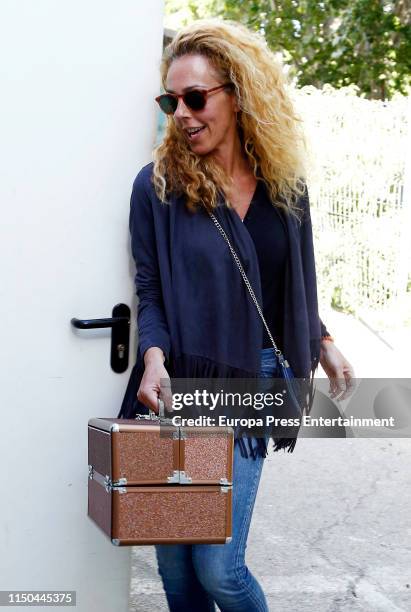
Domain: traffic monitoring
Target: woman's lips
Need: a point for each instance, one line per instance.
(196, 134)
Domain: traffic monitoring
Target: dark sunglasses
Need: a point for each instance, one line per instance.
(195, 99)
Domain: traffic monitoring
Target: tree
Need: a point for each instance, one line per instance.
(340, 42)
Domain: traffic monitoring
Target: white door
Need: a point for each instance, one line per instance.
(77, 122)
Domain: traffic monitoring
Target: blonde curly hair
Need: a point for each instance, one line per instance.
(268, 126)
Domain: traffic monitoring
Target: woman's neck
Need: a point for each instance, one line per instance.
(231, 157)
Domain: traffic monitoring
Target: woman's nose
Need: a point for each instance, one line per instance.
(182, 110)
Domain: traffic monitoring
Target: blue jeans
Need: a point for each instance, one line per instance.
(195, 576)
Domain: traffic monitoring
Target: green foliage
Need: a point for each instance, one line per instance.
(340, 42)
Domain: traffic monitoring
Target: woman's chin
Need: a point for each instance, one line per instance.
(200, 149)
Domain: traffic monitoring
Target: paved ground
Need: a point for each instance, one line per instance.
(331, 529)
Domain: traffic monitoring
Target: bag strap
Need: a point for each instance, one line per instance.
(247, 283)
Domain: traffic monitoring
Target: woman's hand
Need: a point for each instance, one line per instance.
(150, 387)
(338, 369)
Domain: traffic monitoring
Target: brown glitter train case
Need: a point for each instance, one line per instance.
(146, 488)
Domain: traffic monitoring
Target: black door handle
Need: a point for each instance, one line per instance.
(120, 335)
(93, 323)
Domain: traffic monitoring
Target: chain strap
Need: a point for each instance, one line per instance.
(243, 274)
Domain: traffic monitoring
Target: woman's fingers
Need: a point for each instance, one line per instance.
(343, 383)
(148, 395)
(349, 381)
(166, 394)
(155, 384)
(336, 385)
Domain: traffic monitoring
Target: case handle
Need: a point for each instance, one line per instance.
(152, 416)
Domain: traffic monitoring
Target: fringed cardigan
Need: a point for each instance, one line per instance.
(193, 302)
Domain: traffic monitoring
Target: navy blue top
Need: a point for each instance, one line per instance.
(193, 303)
(271, 244)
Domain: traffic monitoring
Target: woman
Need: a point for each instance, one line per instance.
(231, 147)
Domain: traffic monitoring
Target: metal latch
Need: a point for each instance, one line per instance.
(179, 477)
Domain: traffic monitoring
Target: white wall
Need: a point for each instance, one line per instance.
(77, 122)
